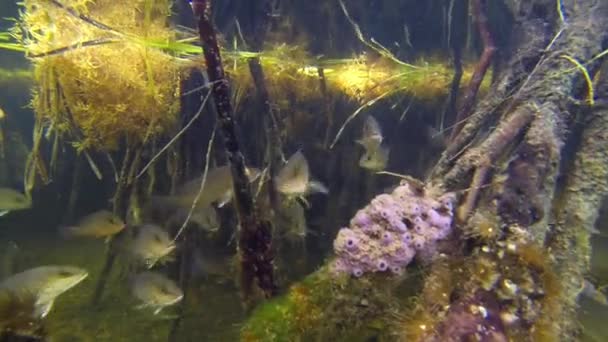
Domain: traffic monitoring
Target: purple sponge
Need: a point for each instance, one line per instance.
(387, 234)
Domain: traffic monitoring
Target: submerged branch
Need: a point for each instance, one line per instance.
(202, 187)
(174, 139)
(481, 19)
(254, 235)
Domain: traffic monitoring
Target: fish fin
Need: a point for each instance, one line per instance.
(371, 128)
(151, 262)
(225, 199)
(361, 142)
(594, 293)
(143, 306)
(311, 232)
(304, 201)
(371, 135)
(315, 186)
(68, 232)
(43, 308)
(295, 171)
(4, 212)
(158, 310)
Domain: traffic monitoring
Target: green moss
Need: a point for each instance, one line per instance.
(328, 308)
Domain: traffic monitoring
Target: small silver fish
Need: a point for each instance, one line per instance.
(371, 135)
(100, 224)
(151, 244)
(155, 291)
(218, 190)
(376, 155)
(375, 160)
(9, 252)
(222, 268)
(291, 221)
(45, 283)
(206, 219)
(11, 200)
(293, 180)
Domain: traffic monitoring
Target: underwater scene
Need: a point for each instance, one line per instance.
(303, 170)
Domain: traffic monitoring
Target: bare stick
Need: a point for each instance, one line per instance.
(255, 235)
(480, 69)
(200, 191)
(481, 173)
(354, 115)
(174, 139)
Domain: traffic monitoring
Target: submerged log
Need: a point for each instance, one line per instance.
(255, 237)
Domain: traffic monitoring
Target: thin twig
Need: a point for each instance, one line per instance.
(62, 50)
(372, 44)
(255, 235)
(84, 18)
(174, 139)
(481, 68)
(200, 191)
(481, 173)
(111, 161)
(355, 113)
(93, 166)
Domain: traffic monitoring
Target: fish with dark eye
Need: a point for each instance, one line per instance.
(294, 181)
(100, 224)
(11, 200)
(375, 157)
(217, 190)
(155, 291)
(151, 244)
(43, 284)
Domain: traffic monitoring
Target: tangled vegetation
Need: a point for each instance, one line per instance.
(96, 80)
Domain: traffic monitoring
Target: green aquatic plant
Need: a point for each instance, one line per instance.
(100, 93)
(7, 43)
(583, 70)
(325, 307)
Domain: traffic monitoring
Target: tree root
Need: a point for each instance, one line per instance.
(480, 18)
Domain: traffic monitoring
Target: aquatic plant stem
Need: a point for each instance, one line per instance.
(176, 137)
(254, 236)
(202, 187)
(274, 153)
(480, 18)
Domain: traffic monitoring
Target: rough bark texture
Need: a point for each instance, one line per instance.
(481, 20)
(516, 262)
(538, 113)
(255, 237)
(578, 207)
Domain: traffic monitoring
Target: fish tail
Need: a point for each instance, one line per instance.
(68, 232)
(317, 187)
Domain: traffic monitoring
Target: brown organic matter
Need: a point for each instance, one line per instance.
(255, 237)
